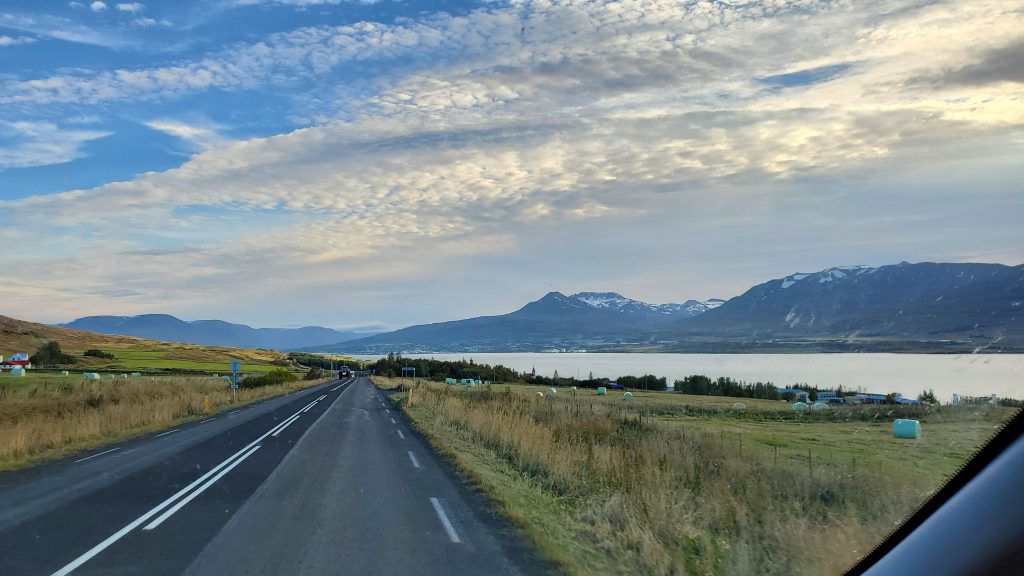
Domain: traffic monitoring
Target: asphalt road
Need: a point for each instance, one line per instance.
(327, 481)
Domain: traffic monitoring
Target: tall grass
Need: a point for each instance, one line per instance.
(649, 499)
(51, 417)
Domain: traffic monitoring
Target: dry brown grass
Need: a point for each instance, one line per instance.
(638, 498)
(52, 417)
(21, 336)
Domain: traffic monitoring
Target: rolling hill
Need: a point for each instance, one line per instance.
(210, 332)
(132, 353)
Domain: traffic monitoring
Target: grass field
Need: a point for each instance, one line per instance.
(45, 416)
(673, 484)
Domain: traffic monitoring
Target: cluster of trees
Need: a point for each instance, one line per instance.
(703, 385)
(316, 360)
(50, 354)
(441, 369)
(97, 353)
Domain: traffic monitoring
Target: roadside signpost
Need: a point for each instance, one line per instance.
(236, 367)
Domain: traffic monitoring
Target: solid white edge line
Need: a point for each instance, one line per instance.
(88, 555)
(166, 433)
(281, 429)
(170, 511)
(95, 455)
(412, 457)
(208, 420)
(452, 534)
(400, 435)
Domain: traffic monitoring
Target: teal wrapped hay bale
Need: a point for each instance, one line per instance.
(819, 406)
(91, 376)
(739, 406)
(552, 391)
(799, 406)
(450, 381)
(601, 390)
(17, 371)
(136, 374)
(63, 372)
(627, 396)
(910, 429)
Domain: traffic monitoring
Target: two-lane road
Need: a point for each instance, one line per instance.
(327, 481)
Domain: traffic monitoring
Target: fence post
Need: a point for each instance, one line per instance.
(776, 454)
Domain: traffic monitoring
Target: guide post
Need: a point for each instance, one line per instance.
(236, 366)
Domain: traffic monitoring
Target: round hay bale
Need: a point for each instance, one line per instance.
(627, 396)
(63, 372)
(552, 391)
(799, 406)
(819, 406)
(601, 391)
(573, 388)
(739, 406)
(17, 371)
(909, 429)
(541, 394)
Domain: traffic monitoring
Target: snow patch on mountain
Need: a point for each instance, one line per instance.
(619, 303)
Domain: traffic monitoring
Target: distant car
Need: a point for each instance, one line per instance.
(344, 372)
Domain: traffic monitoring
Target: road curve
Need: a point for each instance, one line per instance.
(327, 481)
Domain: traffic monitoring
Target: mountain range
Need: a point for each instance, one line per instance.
(931, 307)
(211, 332)
(924, 307)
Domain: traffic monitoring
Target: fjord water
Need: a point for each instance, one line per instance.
(908, 374)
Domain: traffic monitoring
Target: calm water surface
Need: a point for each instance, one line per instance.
(908, 374)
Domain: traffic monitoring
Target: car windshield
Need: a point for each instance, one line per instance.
(500, 286)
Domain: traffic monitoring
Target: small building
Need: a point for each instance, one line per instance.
(830, 397)
(19, 360)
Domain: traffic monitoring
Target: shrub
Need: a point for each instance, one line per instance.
(314, 373)
(97, 353)
(269, 379)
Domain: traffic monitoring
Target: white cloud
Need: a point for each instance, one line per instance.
(144, 21)
(98, 6)
(26, 144)
(200, 137)
(132, 7)
(59, 28)
(14, 41)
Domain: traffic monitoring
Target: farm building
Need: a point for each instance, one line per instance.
(19, 360)
(830, 397)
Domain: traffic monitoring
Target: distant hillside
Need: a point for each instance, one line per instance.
(982, 302)
(923, 307)
(211, 332)
(556, 320)
(21, 336)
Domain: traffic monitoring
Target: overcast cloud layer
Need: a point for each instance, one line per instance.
(364, 166)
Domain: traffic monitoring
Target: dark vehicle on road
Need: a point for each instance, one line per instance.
(344, 372)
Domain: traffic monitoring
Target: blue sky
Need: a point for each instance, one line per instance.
(291, 162)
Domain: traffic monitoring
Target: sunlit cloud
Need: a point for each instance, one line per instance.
(510, 123)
